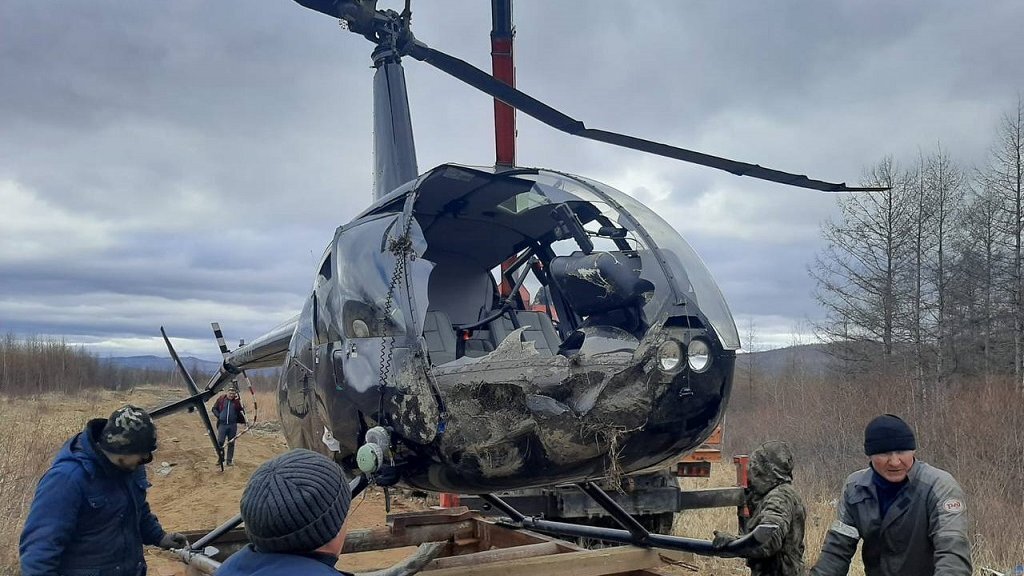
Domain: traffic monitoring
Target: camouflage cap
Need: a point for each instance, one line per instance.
(129, 430)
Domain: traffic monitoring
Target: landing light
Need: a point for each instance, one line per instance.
(698, 355)
(670, 356)
(360, 329)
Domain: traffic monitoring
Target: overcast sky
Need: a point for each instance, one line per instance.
(173, 163)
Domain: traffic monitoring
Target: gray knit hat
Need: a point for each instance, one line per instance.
(295, 502)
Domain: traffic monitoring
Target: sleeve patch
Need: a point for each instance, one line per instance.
(845, 529)
(953, 506)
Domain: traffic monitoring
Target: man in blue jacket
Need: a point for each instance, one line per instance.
(90, 516)
(294, 509)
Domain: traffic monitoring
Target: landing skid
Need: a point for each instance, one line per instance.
(632, 531)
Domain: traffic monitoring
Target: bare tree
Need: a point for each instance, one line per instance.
(862, 272)
(1003, 176)
(920, 244)
(978, 270)
(751, 347)
(944, 184)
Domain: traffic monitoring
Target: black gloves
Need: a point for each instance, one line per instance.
(722, 539)
(173, 540)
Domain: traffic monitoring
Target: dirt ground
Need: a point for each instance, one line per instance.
(194, 494)
(190, 492)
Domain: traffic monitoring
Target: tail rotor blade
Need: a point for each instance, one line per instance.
(219, 335)
(198, 398)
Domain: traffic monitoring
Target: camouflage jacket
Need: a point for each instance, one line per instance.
(772, 500)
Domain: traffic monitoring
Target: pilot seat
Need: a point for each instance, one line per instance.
(605, 288)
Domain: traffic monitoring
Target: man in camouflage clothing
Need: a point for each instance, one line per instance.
(771, 499)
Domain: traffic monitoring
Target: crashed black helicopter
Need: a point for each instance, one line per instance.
(418, 357)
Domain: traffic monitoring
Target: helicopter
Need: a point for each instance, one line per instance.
(419, 357)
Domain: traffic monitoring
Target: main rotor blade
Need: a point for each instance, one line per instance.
(531, 106)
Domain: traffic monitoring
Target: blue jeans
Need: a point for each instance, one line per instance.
(226, 432)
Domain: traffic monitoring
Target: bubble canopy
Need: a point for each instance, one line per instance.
(475, 217)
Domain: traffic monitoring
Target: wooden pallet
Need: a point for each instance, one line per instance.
(473, 545)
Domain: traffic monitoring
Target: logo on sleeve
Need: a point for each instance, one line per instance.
(953, 505)
(844, 529)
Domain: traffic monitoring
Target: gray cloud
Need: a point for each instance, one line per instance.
(186, 162)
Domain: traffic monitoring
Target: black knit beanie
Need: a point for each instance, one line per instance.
(888, 433)
(295, 502)
(129, 430)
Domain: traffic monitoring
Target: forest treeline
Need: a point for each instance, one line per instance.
(36, 365)
(928, 277)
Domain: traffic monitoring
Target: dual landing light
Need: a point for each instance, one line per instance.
(698, 355)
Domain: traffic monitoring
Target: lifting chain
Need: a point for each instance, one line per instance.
(401, 248)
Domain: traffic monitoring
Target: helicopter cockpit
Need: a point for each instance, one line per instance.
(607, 264)
(424, 305)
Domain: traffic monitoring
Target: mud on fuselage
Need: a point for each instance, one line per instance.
(609, 348)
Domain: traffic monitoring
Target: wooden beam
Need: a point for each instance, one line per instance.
(585, 563)
(501, 554)
(399, 522)
(383, 538)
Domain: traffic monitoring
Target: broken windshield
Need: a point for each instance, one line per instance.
(690, 274)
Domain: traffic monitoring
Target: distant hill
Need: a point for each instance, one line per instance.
(808, 357)
(195, 366)
(162, 363)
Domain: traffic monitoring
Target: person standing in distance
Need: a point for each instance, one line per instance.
(229, 413)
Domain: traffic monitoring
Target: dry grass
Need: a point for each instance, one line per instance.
(266, 401)
(703, 523)
(970, 427)
(34, 430)
(981, 446)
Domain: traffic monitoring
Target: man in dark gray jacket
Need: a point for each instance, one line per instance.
(911, 516)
